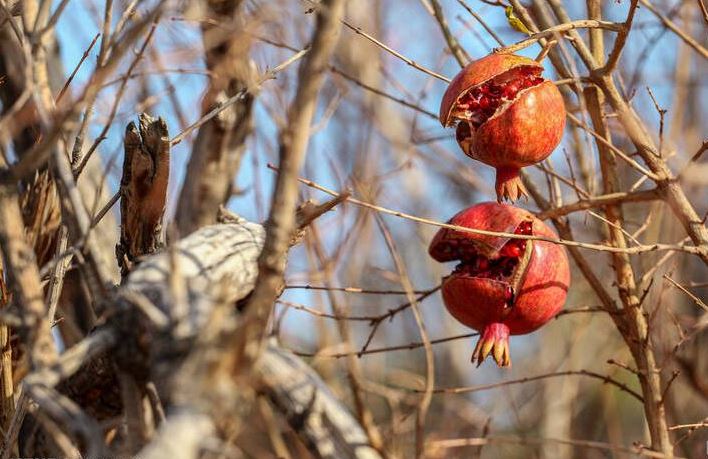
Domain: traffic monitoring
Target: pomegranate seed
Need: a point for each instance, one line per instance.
(509, 293)
(510, 250)
(525, 228)
(510, 90)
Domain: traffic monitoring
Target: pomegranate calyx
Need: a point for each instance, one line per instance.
(509, 185)
(493, 340)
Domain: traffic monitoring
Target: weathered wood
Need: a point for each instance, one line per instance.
(143, 189)
(7, 390)
(219, 264)
(311, 408)
(179, 437)
(23, 280)
(41, 214)
(216, 265)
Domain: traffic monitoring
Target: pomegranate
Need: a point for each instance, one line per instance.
(508, 116)
(501, 286)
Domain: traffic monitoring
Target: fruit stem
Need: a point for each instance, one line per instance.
(508, 185)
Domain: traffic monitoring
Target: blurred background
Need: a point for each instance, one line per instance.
(376, 134)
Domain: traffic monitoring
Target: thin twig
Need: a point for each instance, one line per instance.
(52, 21)
(620, 40)
(424, 403)
(268, 75)
(56, 282)
(104, 210)
(482, 22)
(599, 247)
(590, 374)
(690, 294)
(119, 94)
(614, 149)
(76, 69)
(356, 81)
(456, 49)
(401, 347)
(676, 29)
(703, 423)
(393, 52)
(293, 144)
(373, 319)
(356, 290)
(551, 31)
(495, 439)
(599, 201)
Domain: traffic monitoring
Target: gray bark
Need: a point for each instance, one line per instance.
(182, 336)
(312, 410)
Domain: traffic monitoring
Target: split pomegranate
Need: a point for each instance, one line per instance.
(501, 286)
(508, 116)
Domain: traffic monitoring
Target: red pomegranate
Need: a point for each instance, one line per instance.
(501, 286)
(507, 115)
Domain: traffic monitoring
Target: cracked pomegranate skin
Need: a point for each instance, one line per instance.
(483, 303)
(477, 72)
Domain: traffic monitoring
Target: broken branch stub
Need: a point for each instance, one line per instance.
(143, 190)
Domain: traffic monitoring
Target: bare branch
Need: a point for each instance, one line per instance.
(492, 439)
(552, 31)
(293, 143)
(311, 408)
(566, 242)
(388, 49)
(590, 374)
(220, 143)
(677, 30)
(458, 51)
